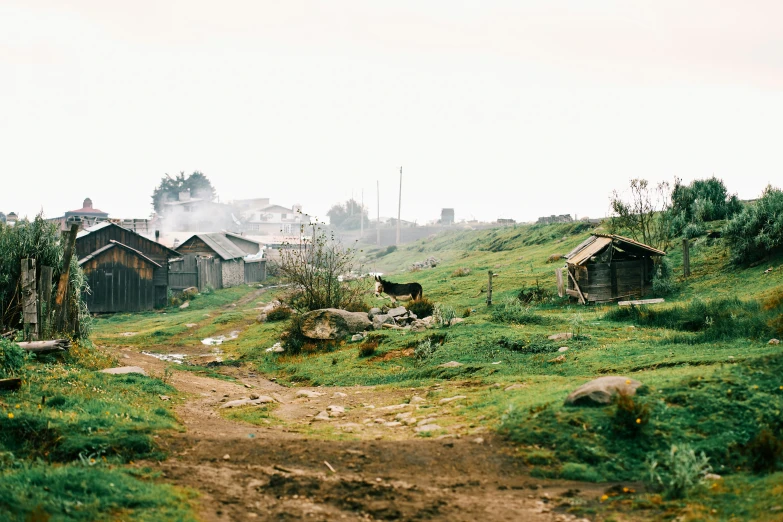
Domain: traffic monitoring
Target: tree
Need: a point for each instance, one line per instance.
(316, 266)
(703, 200)
(169, 189)
(757, 230)
(348, 215)
(645, 215)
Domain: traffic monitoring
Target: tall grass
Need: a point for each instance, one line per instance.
(718, 319)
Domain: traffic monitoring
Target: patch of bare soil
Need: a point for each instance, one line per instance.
(297, 468)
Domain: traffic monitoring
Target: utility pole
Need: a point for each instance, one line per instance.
(399, 209)
(378, 210)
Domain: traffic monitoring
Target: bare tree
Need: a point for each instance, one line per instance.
(322, 269)
(645, 214)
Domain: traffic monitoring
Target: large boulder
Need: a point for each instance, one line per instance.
(333, 323)
(379, 320)
(599, 392)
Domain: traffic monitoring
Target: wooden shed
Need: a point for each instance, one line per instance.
(121, 279)
(217, 246)
(608, 267)
(94, 238)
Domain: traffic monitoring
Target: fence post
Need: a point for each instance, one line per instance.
(489, 289)
(29, 299)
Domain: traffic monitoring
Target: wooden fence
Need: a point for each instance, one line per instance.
(255, 271)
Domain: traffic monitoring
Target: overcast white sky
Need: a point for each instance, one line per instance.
(510, 109)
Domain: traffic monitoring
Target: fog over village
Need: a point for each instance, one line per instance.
(416, 261)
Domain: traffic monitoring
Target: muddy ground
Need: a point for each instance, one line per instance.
(297, 468)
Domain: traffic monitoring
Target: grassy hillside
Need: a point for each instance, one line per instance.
(711, 380)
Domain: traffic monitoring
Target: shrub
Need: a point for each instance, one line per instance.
(578, 471)
(443, 315)
(292, 337)
(702, 200)
(765, 452)
(12, 358)
(693, 230)
(630, 416)
(424, 350)
(554, 257)
(367, 348)
(422, 307)
(757, 231)
(663, 282)
(279, 313)
(461, 272)
(679, 471)
(535, 294)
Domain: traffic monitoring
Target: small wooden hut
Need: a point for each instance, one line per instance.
(228, 255)
(94, 240)
(608, 267)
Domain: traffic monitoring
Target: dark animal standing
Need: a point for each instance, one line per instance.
(397, 291)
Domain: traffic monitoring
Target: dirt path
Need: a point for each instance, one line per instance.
(378, 468)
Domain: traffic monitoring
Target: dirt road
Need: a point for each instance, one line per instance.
(345, 454)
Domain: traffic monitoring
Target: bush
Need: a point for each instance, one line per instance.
(703, 200)
(367, 348)
(663, 282)
(630, 416)
(12, 359)
(461, 272)
(679, 471)
(279, 313)
(693, 230)
(765, 452)
(424, 350)
(422, 307)
(535, 294)
(757, 231)
(443, 315)
(292, 337)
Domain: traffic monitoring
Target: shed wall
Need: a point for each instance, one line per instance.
(119, 282)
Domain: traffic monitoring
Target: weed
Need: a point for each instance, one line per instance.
(514, 312)
(680, 470)
(443, 315)
(630, 416)
(765, 451)
(279, 313)
(424, 350)
(366, 349)
(12, 358)
(461, 272)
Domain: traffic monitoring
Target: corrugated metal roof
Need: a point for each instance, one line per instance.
(94, 228)
(112, 244)
(221, 245)
(596, 244)
(589, 250)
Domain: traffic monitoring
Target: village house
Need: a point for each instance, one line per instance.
(126, 272)
(608, 267)
(273, 220)
(219, 260)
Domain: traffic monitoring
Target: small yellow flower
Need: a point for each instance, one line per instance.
(638, 421)
(18, 406)
(625, 490)
(10, 415)
(628, 381)
(604, 497)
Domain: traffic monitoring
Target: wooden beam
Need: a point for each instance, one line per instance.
(638, 302)
(576, 285)
(57, 345)
(559, 276)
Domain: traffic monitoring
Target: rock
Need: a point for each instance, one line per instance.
(417, 400)
(450, 399)
(392, 424)
(774, 341)
(397, 312)
(563, 349)
(184, 305)
(164, 397)
(261, 318)
(260, 399)
(450, 364)
(124, 369)
(333, 323)
(323, 416)
(426, 427)
(373, 312)
(189, 292)
(335, 411)
(381, 319)
(190, 325)
(226, 457)
(418, 325)
(479, 440)
(456, 320)
(254, 396)
(309, 394)
(560, 336)
(357, 337)
(428, 420)
(517, 386)
(276, 348)
(600, 391)
(338, 395)
(712, 476)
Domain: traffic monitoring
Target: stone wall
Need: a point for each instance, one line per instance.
(233, 273)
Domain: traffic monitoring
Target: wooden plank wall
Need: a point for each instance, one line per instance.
(620, 279)
(183, 273)
(119, 282)
(255, 271)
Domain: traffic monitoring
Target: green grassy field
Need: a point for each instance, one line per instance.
(711, 380)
